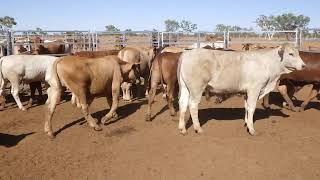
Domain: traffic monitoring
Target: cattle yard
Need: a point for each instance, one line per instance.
(285, 145)
(102, 40)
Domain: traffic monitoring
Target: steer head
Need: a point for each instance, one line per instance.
(130, 71)
(290, 59)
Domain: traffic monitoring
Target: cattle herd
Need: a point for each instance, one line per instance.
(182, 75)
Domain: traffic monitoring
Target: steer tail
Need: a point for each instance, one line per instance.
(159, 59)
(55, 81)
(1, 78)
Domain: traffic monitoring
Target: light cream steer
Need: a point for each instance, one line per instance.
(140, 55)
(26, 68)
(254, 73)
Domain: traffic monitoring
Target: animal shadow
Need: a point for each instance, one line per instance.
(9, 140)
(123, 112)
(230, 114)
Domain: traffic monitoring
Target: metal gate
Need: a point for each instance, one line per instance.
(5, 43)
(79, 40)
(103, 40)
(310, 39)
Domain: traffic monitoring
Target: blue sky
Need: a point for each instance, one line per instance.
(144, 14)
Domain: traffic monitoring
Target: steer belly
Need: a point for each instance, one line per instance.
(226, 80)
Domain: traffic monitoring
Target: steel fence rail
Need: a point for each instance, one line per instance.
(100, 40)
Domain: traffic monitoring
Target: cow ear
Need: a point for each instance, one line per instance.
(281, 52)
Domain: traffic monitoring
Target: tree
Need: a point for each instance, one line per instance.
(289, 21)
(286, 21)
(111, 28)
(223, 27)
(171, 25)
(40, 32)
(7, 22)
(188, 26)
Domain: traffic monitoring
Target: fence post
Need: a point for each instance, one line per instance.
(9, 42)
(198, 40)
(297, 36)
(226, 39)
(161, 39)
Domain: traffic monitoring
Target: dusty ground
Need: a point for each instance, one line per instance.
(286, 147)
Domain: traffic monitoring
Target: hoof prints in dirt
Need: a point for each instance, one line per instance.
(119, 132)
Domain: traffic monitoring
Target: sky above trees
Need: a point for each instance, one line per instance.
(147, 15)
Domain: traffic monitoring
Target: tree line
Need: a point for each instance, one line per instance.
(286, 21)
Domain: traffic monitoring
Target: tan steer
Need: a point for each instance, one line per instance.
(87, 78)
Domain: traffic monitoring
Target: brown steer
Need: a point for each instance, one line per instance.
(164, 70)
(87, 78)
(290, 83)
(96, 54)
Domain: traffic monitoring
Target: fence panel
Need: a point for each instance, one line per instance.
(261, 38)
(310, 40)
(79, 40)
(114, 40)
(5, 44)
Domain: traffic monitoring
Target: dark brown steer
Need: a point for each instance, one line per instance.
(164, 70)
(290, 83)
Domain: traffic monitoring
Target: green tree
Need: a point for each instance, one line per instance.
(111, 28)
(171, 25)
(223, 27)
(7, 22)
(289, 21)
(188, 26)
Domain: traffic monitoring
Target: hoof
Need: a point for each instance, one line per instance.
(23, 109)
(302, 108)
(252, 132)
(105, 119)
(295, 109)
(147, 117)
(97, 128)
(199, 130)
(174, 118)
(51, 135)
(183, 131)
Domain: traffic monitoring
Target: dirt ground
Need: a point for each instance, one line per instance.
(286, 145)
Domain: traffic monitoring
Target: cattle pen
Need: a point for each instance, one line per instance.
(285, 145)
(103, 40)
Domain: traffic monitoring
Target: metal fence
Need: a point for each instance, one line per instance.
(310, 39)
(102, 40)
(4, 43)
(105, 40)
(79, 40)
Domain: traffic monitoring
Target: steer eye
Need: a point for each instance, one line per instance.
(291, 54)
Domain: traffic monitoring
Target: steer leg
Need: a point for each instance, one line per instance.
(155, 79)
(193, 106)
(312, 95)
(32, 94)
(85, 102)
(170, 91)
(54, 97)
(250, 108)
(15, 92)
(183, 105)
(126, 87)
(115, 102)
(266, 103)
(2, 96)
(283, 89)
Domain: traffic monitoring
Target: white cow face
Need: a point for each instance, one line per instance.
(290, 58)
